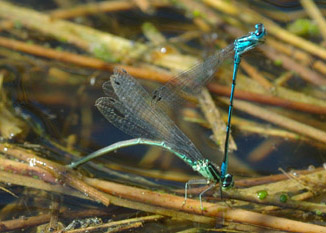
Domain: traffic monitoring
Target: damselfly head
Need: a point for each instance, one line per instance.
(260, 30)
(227, 181)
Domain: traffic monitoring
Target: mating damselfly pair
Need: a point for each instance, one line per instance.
(132, 109)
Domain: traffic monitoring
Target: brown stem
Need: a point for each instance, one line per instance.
(264, 149)
(80, 60)
(163, 202)
(239, 10)
(314, 13)
(96, 8)
(25, 169)
(215, 120)
(280, 120)
(56, 170)
(153, 75)
(289, 64)
(125, 224)
(212, 210)
(266, 99)
(254, 74)
(22, 223)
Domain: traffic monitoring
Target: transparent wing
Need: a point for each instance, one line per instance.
(190, 82)
(154, 121)
(116, 113)
(108, 89)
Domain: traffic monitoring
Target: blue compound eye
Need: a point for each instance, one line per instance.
(259, 29)
(228, 181)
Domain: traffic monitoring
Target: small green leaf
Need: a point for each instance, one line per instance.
(262, 194)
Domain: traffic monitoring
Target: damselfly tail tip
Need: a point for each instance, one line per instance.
(260, 30)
